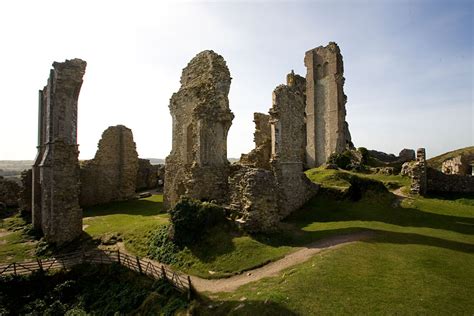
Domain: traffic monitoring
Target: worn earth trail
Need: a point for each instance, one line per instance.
(273, 268)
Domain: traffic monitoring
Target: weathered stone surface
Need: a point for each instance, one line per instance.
(9, 192)
(327, 131)
(55, 203)
(112, 174)
(418, 179)
(438, 182)
(25, 201)
(260, 156)
(197, 166)
(288, 145)
(460, 165)
(148, 175)
(406, 155)
(254, 196)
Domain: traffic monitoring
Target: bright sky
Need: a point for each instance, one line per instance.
(409, 66)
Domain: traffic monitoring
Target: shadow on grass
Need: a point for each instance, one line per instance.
(377, 209)
(141, 207)
(326, 209)
(216, 242)
(247, 307)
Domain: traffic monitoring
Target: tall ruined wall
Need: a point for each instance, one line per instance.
(197, 165)
(55, 175)
(112, 174)
(260, 156)
(327, 130)
(288, 133)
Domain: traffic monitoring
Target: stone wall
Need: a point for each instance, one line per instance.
(460, 165)
(197, 166)
(24, 202)
(288, 140)
(438, 182)
(327, 131)
(149, 176)
(9, 192)
(429, 180)
(254, 197)
(55, 174)
(112, 174)
(260, 156)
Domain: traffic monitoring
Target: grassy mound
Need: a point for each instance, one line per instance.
(87, 289)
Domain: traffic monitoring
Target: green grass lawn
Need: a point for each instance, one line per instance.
(15, 244)
(420, 262)
(132, 220)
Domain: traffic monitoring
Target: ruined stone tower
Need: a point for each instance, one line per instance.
(327, 131)
(197, 166)
(112, 174)
(288, 139)
(55, 197)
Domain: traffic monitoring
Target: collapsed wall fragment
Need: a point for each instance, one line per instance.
(197, 166)
(260, 156)
(112, 174)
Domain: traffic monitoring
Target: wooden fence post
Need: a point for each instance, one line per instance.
(40, 265)
(190, 289)
(118, 256)
(14, 268)
(163, 272)
(139, 266)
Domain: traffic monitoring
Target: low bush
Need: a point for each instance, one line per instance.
(191, 218)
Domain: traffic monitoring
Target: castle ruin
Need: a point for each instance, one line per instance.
(327, 131)
(197, 166)
(55, 175)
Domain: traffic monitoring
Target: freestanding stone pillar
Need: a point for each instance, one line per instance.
(197, 166)
(56, 189)
(419, 177)
(327, 131)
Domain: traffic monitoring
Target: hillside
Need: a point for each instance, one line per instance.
(436, 162)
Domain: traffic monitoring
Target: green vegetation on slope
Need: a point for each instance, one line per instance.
(420, 262)
(88, 289)
(436, 162)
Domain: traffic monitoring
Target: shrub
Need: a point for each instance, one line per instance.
(365, 155)
(342, 160)
(162, 247)
(191, 218)
(361, 186)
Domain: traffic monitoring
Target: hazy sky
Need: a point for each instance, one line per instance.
(408, 66)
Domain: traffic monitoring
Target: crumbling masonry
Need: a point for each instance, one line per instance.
(197, 166)
(260, 156)
(288, 131)
(55, 175)
(112, 174)
(326, 126)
